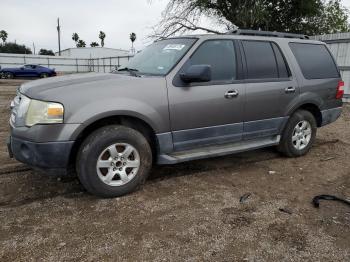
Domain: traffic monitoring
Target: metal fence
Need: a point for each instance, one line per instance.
(65, 64)
(339, 44)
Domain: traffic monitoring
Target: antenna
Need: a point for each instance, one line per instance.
(59, 36)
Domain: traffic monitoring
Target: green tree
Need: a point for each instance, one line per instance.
(102, 36)
(81, 43)
(14, 48)
(132, 38)
(94, 44)
(46, 52)
(3, 36)
(298, 16)
(334, 18)
(75, 38)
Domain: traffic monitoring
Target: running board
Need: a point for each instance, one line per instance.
(217, 150)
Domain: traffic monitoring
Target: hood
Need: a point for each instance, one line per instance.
(34, 88)
(91, 95)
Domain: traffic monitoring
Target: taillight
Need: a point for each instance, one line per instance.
(340, 90)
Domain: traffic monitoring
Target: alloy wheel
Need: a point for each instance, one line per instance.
(302, 135)
(118, 164)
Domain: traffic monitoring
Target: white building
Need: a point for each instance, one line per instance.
(93, 52)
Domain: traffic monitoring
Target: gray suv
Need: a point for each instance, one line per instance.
(180, 99)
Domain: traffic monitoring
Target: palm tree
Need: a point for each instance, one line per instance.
(75, 38)
(102, 36)
(81, 43)
(94, 44)
(3, 36)
(132, 38)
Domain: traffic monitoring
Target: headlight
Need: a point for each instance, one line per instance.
(40, 112)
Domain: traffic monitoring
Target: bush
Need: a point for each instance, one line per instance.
(14, 48)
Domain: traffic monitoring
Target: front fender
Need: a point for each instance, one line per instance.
(157, 118)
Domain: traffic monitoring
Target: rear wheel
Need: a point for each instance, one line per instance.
(299, 134)
(9, 75)
(114, 161)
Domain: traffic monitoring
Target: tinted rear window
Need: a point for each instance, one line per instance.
(315, 61)
(265, 60)
(283, 69)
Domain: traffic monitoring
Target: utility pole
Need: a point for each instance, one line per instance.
(59, 36)
(34, 48)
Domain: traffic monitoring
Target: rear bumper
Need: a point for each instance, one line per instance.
(330, 115)
(50, 155)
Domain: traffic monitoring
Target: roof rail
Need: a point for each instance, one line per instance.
(266, 33)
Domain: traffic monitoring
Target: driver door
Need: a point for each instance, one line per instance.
(25, 71)
(208, 113)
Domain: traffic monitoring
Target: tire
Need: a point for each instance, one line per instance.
(44, 75)
(9, 75)
(99, 170)
(296, 141)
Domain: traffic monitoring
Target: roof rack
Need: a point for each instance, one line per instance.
(266, 33)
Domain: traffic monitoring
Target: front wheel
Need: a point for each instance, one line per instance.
(114, 161)
(44, 75)
(299, 134)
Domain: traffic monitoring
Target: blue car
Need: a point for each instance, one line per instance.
(27, 71)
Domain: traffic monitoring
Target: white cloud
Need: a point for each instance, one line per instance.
(35, 21)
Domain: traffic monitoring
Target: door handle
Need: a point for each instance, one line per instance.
(231, 94)
(290, 89)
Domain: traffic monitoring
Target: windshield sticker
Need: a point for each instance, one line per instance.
(174, 47)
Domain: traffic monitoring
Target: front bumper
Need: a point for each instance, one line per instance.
(48, 155)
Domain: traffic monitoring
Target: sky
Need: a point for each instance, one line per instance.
(28, 21)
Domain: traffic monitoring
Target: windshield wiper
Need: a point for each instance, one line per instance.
(132, 71)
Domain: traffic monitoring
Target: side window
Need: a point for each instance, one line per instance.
(264, 60)
(220, 55)
(283, 69)
(261, 61)
(315, 61)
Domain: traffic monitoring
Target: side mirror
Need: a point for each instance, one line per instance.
(196, 73)
(22, 68)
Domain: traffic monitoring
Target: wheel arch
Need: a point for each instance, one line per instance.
(136, 123)
(10, 72)
(313, 108)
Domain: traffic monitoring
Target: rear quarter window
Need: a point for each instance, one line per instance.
(315, 61)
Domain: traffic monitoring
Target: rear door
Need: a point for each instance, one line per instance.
(270, 87)
(202, 114)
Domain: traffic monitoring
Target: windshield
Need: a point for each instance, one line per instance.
(160, 57)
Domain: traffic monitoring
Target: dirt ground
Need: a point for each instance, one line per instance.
(186, 212)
